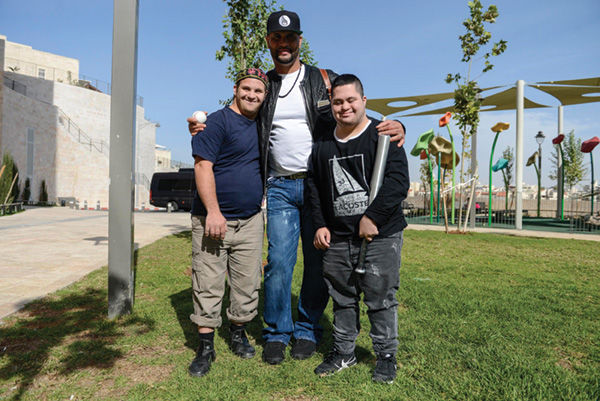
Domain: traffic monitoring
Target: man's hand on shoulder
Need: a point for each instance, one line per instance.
(194, 126)
(215, 226)
(367, 229)
(322, 238)
(392, 128)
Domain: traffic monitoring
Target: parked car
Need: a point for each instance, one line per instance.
(173, 189)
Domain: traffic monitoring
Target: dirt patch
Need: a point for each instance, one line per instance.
(188, 272)
(19, 346)
(458, 232)
(569, 360)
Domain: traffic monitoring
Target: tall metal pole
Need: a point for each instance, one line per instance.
(559, 170)
(519, 156)
(439, 156)
(592, 162)
(490, 187)
(121, 170)
(539, 198)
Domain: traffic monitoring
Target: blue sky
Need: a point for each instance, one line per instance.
(396, 48)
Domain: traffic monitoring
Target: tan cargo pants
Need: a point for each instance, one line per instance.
(237, 257)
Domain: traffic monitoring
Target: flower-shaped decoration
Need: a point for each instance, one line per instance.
(445, 119)
(439, 144)
(558, 139)
(501, 164)
(499, 127)
(532, 159)
(442, 146)
(590, 144)
(446, 160)
(422, 142)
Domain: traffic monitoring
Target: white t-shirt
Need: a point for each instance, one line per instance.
(290, 142)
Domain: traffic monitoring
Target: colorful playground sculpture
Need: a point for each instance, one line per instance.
(501, 165)
(421, 146)
(558, 143)
(444, 122)
(587, 147)
(498, 128)
(441, 148)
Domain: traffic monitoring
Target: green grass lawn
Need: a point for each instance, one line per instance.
(481, 317)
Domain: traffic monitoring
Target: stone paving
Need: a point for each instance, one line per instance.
(45, 249)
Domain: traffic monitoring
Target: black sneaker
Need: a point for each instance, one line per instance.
(274, 352)
(204, 356)
(239, 343)
(303, 349)
(385, 369)
(334, 363)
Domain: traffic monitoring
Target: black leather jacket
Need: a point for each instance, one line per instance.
(316, 101)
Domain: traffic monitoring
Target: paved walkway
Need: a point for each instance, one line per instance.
(45, 249)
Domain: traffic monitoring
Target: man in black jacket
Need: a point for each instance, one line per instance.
(341, 168)
(297, 101)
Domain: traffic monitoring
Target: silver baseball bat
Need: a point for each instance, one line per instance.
(383, 144)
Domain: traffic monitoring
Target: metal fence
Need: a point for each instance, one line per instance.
(102, 86)
(577, 216)
(10, 208)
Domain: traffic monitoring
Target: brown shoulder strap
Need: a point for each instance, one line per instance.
(327, 81)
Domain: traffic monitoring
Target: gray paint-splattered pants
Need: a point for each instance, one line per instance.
(379, 285)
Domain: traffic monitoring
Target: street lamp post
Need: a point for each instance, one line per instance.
(539, 138)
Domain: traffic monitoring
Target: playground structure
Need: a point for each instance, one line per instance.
(568, 213)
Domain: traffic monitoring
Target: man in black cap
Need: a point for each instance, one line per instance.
(296, 103)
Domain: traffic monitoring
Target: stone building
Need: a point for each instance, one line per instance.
(57, 127)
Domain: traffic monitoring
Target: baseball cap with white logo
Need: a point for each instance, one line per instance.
(283, 21)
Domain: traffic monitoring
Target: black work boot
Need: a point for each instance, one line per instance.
(239, 342)
(204, 357)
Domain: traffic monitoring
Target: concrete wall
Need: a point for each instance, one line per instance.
(29, 61)
(72, 133)
(21, 113)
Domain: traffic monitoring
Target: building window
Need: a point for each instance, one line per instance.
(30, 153)
(41, 73)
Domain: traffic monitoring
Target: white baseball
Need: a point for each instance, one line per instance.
(200, 116)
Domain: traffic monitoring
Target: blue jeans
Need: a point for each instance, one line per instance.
(288, 217)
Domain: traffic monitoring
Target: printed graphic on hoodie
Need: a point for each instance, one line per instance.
(349, 190)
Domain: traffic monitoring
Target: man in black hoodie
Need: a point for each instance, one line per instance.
(341, 166)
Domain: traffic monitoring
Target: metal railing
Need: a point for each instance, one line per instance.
(179, 164)
(103, 86)
(16, 86)
(142, 179)
(79, 135)
(10, 208)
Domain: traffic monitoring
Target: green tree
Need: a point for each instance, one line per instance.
(10, 172)
(467, 102)
(507, 172)
(43, 192)
(245, 28)
(573, 161)
(27, 191)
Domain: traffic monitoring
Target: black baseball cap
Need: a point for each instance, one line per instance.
(283, 21)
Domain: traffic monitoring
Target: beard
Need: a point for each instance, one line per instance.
(285, 60)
